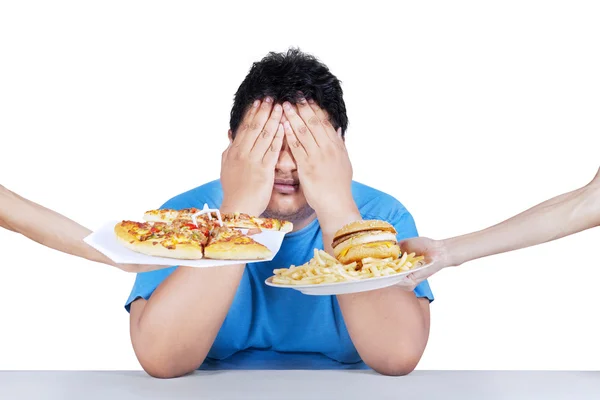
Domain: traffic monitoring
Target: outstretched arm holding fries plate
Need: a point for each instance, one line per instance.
(560, 216)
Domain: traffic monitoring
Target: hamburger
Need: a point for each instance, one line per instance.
(363, 239)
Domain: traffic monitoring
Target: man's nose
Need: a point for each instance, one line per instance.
(286, 161)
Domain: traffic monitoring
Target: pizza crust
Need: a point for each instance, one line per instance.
(181, 251)
(166, 216)
(286, 227)
(231, 220)
(278, 225)
(236, 251)
(240, 224)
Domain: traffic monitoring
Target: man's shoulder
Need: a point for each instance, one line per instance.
(375, 203)
(210, 193)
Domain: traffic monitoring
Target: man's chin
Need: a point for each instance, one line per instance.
(293, 214)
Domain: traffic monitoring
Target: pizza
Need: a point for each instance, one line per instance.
(162, 239)
(232, 220)
(169, 215)
(231, 244)
(180, 238)
(240, 220)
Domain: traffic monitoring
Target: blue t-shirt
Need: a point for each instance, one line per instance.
(274, 328)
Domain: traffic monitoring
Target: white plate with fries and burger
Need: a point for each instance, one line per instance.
(366, 257)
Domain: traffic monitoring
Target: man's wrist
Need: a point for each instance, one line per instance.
(249, 209)
(334, 218)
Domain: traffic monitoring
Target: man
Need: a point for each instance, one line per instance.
(286, 159)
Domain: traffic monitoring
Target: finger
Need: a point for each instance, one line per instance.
(426, 273)
(419, 277)
(272, 155)
(264, 140)
(138, 267)
(301, 131)
(295, 145)
(245, 124)
(325, 121)
(313, 122)
(256, 125)
(409, 246)
(407, 283)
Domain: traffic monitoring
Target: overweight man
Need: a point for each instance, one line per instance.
(286, 159)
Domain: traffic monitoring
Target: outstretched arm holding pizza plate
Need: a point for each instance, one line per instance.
(53, 230)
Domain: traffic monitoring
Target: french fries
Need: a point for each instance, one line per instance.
(324, 268)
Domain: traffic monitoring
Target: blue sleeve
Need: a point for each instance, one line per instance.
(147, 282)
(406, 228)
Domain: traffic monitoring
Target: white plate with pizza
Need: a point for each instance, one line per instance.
(190, 237)
(366, 256)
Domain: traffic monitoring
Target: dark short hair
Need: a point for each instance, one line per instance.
(283, 76)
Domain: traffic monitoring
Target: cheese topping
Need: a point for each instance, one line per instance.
(367, 239)
(209, 211)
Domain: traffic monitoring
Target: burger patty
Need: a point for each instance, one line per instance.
(364, 237)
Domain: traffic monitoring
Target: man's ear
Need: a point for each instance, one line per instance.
(230, 136)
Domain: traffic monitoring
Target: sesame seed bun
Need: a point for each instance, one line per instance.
(363, 239)
(361, 226)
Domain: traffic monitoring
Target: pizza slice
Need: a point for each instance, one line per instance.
(230, 244)
(183, 241)
(273, 224)
(232, 220)
(245, 221)
(238, 220)
(185, 214)
(169, 215)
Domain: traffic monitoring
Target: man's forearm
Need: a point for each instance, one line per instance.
(389, 327)
(46, 227)
(173, 331)
(558, 217)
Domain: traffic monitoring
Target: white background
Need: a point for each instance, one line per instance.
(467, 112)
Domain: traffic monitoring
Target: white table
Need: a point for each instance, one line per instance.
(346, 385)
